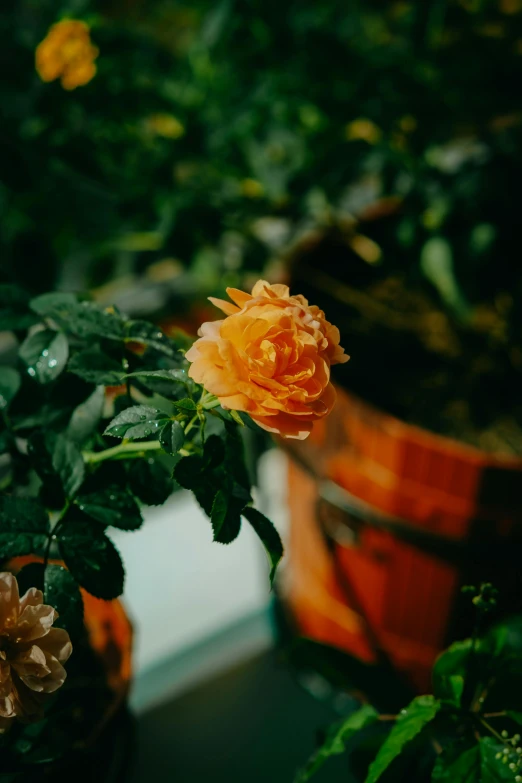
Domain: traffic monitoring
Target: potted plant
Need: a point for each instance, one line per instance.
(468, 730)
(414, 260)
(100, 415)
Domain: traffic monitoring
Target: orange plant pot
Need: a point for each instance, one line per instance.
(388, 521)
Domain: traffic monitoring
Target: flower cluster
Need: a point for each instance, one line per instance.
(270, 358)
(31, 652)
(67, 53)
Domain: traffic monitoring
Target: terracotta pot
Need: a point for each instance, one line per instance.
(388, 521)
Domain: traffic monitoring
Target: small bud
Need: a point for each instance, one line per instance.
(505, 735)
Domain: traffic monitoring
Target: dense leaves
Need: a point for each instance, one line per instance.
(409, 724)
(268, 535)
(95, 366)
(136, 422)
(24, 527)
(86, 417)
(45, 354)
(336, 740)
(150, 481)
(9, 385)
(92, 558)
(60, 591)
(172, 437)
(112, 506)
(83, 319)
(457, 765)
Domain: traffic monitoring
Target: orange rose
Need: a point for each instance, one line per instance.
(270, 357)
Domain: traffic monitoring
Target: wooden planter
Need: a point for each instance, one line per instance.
(388, 521)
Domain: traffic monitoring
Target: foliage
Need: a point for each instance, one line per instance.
(80, 456)
(466, 732)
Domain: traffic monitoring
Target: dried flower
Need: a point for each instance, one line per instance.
(67, 53)
(31, 652)
(270, 357)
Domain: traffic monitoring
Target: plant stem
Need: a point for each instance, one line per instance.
(191, 424)
(130, 449)
(495, 733)
(52, 534)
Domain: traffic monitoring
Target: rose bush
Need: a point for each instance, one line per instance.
(270, 358)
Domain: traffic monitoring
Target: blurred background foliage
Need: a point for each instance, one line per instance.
(372, 148)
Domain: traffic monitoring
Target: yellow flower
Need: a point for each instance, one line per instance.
(165, 125)
(270, 358)
(364, 130)
(31, 652)
(251, 188)
(67, 53)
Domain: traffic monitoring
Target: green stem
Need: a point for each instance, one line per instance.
(191, 424)
(52, 535)
(130, 449)
(495, 733)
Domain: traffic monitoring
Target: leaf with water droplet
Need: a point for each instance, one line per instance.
(172, 437)
(9, 385)
(112, 506)
(45, 354)
(92, 559)
(138, 421)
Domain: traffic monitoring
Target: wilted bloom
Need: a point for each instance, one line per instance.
(270, 357)
(67, 53)
(31, 652)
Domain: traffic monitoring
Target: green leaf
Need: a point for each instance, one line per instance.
(147, 334)
(84, 319)
(60, 591)
(150, 481)
(248, 422)
(24, 527)
(85, 417)
(138, 421)
(185, 404)
(190, 470)
(516, 716)
(237, 418)
(172, 437)
(449, 671)
(174, 375)
(113, 506)
(92, 559)
(14, 309)
(492, 768)
(336, 739)
(23, 514)
(45, 353)
(236, 473)
(225, 516)
(436, 261)
(409, 724)
(457, 766)
(46, 304)
(10, 382)
(67, 462)
(94, 366)
(268, 535)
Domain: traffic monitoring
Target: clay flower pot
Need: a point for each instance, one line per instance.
(388, 521)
